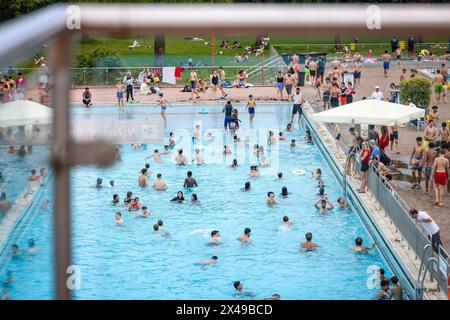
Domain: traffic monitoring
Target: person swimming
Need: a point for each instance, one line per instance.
(284, 192)
(156, 155)
(246, 236)
(198, 157)
(116, 199)
(271, 198)
(180, 159)
(292, 144)
(360, 248)
(246, 187)
(157, 229)
(323, 205)
(210, 261)
(275, 296)
(318, 174)
(135, 205)
(286, 221)
(14, 252)
(112, 183)
(31, 246)
(308, 137)
(280, 175)
(239, 287)
(143, 180)
(234, 164)
(159, 183)
(99, 182)
(128, 198)
(253, 171)
(190, 182)
(215, 237)
(118, 219)
(194, 198)
(179, 198)
(144, 212)
(342, 203)
(308, 244)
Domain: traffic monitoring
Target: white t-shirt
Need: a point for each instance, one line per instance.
(377, 95)
(297, 98)
(430, 227)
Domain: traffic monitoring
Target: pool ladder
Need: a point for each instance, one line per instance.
(430, 265)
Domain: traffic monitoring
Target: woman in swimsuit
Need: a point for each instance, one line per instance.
(214, 79)
(280, 85)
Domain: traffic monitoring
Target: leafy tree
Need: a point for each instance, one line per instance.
(418, 89)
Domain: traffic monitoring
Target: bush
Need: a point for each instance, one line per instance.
(418, 89)
(100, 57)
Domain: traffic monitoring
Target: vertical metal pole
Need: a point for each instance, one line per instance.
(60, 62)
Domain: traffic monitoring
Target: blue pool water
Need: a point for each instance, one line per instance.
(132, 262)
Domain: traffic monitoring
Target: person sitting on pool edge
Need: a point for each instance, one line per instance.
(246, 236)
(179, 198)
(308, 244)
(190, 182)
(360, 248)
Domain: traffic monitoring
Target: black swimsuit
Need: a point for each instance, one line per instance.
(215, 80)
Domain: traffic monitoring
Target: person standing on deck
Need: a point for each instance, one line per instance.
(429, 225)
(441, 171)
(251, 104)
(386, 57)
(298, 105)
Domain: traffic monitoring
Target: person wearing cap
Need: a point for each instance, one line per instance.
(377, 94)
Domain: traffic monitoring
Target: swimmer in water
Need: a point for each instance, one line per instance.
(239, 287)
(211, 261)
(275, 296)
(215, 237)
(180, 159)
(135, 205)
(246, 187)
(308, 137)
(144, 212)
(234, 164)
(246, 236)
(287, 222)
(321, 184)
(194, 198)
(360, 248)
(271, 198)
(179, 198)
(322, 193)
(99, 182)
(226, 150)
(171, 140)
(14, 252)
(342, 203)
(166, 150)
(263, 161)
(280, 175)
(159, 183)
(292, 144)
(284, 192)
(116, 199)
(308, 244)
(157, 229)
(198, 157)
(324, 205)
(143, 180)
(289, 127)
(128, 198)
(156, 155)
(190, 182)
(281, 136)
(253, 171)
(31, 247)
(119, 221)
(271, 140)
(112, 183)
(317, 174)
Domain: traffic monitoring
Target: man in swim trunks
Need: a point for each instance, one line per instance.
(430, 134)
(271, 198)
(326, 93)
(386, 57)
(313, 70)
(246, 236)
(215, 237)
(441, 171)
(119, 94)
(298, 105)
(289, 82)
(228, 110)
(251, 104)
(163, 103)
(428, 161)
(308, 244)
(416, 163)
(438, 82)
(357, 72)
(194, 81)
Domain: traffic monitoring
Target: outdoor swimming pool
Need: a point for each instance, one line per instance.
(132, 262)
